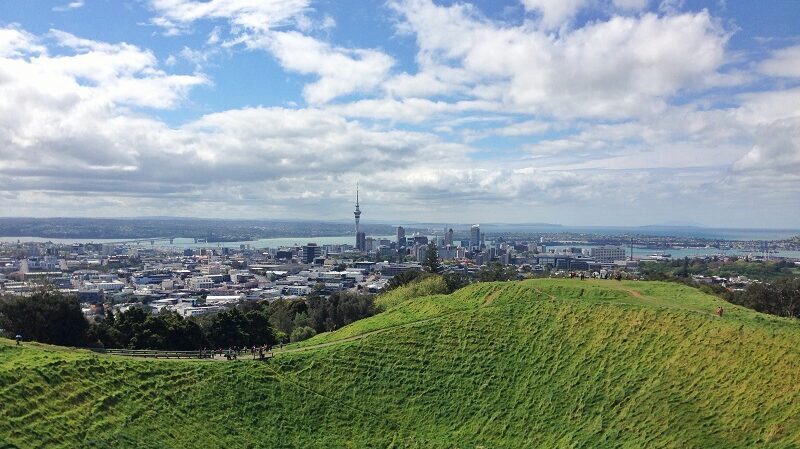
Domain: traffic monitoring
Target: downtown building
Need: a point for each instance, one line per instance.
(608, 254)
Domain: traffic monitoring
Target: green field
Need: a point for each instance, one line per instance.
(539, 363)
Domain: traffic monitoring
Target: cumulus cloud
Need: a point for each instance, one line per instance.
(15, 42)
(558, 13)
(776, 149)
(555, 12)
(784, 62)
(547, 115)
(341, 71)
(616, 68)
(175, 16)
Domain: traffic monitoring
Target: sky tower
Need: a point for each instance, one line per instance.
(357, 215)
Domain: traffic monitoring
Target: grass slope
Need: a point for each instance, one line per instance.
(543, 363)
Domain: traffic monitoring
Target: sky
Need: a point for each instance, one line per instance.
(578, 112)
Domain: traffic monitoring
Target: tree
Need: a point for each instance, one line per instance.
(302, 333)
(431, 264)
(496, 272)
(340, 309)
(404, 278)
(684, 273)
(47, 316)
(781, 297)
(455, 281)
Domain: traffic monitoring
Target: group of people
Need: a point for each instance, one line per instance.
(262, 351)
(234, 352)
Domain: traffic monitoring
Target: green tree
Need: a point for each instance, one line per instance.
(302, 333)
(496, 272)
(455, 281)
(781, 297)
(404, 278)
(47, 316)
(432, 264)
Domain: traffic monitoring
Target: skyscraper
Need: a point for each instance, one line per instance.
(475, 236)
(448, 237)
(401, 236)
(357, 214)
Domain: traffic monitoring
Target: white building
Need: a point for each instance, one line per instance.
(201, 283)
(608, 254)
(297, 290)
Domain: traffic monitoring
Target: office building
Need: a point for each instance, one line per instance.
(608, 254)
(310, 252)
(361, 241)
(475, 236)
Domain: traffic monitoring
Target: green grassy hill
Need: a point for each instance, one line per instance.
(541, 363)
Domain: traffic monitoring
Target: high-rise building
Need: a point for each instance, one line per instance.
(361, 241)
(309, 252)
(401, 236)
(475, 236)
(607, 254)
(357, 214)
(448, 237)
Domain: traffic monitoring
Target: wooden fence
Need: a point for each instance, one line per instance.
(159, 354)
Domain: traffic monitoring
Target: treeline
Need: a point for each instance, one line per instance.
(780, 297)
(49, 316)
(766, 271)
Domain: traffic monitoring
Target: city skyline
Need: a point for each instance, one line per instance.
(604, 112)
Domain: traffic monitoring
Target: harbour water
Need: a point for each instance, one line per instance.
(639, 252)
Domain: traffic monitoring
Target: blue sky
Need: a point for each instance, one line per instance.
(583, 112)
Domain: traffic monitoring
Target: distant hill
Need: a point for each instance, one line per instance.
(540, 363)
(213, 230)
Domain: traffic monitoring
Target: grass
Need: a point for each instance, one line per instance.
(431, 285)
(541, 363)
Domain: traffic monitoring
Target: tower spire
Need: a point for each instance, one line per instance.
(357, 215)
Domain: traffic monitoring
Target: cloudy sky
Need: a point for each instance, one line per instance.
(596, 112)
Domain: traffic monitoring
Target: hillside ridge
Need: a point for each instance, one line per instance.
(541, 363)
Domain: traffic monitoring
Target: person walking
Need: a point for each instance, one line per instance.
(18, 337)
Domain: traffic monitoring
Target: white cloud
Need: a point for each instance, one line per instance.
(555, 12)
(16, 42)
(776, 149)
(512, 121)
(631, 5)
(341, 71)
(621, 67)
(69, 6)
(176, 15)
(784, 62)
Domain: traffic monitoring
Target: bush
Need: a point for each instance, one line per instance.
(405, 278)
(425, 286)
(781, 298)
(496, 272)
(302, 333)
(47, 316)
(340, 309)
(456, 281)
